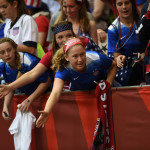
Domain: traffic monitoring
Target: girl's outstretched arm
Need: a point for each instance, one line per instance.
(52, 100)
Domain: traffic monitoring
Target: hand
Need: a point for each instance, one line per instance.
(25, 105)
(4, 90)
(42, 119)
(101, 35)
(142, 55)
(121, 60)
(5, 113)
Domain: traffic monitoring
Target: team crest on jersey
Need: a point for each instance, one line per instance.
(15, 31)
(96, 72)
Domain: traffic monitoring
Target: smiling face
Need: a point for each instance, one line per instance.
(63, 36)
(77, 57)
(7, 53)
(8, 10)
(71, 8)
(124, 8)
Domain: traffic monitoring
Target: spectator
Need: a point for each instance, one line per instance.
(19, 25)
(42, 21)
(75, 12)
(70, 62)
(124, 45)
(12, 66)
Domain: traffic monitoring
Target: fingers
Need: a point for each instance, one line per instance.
(6, 115)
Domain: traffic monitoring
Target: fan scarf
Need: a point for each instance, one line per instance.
(104, 131)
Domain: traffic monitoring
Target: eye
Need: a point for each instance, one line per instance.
(9, 50)
(69, 35)
(119, 4)
(60, 37)
(2, 52)
(127, 2)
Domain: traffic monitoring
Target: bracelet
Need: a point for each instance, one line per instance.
(28, 101)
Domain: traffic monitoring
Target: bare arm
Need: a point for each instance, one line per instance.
(52, 100)
(93, 31)
(36, 94)
(112, 73)
(24, 48)
(7, 101)
(25, 79)
(42, 38)
(98, 9)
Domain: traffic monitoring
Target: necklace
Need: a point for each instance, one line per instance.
(120, 45)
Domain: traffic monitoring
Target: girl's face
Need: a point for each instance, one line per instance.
(7, 53)
(8, 10)
(62, 37)
(124, 8)
(77, 57)
(70, 8)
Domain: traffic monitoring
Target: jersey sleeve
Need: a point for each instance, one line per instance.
(46, 59)
(62, 74)
(29, 30)
(112, 39)
(106, 61)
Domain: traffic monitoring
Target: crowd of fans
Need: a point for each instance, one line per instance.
(71, 43)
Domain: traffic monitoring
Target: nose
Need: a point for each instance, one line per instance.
(79, 58)
(124, 5)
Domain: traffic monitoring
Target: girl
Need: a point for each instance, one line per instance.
(19, 25)
(81, 68)
(124, 45)
(12, 66)
(75, 12)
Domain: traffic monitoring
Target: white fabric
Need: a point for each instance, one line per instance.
(53, 5)
(25, 29)
(21, 127)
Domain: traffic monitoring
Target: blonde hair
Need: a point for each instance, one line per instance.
(83, 16)
(17, 56)
(59, 62)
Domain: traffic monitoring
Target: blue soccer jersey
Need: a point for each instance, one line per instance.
(130, 45)
(28, 62)
(96, 70)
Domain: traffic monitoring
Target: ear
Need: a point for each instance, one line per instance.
(66, 57)
(15, 4)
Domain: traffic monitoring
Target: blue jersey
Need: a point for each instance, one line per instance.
(131, 44)
(96, 70)
(28, 62)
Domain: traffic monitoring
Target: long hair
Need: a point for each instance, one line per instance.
(55, 46)
(83, 16)
(59, 62)
(136, 16)
(17, 56)
(21, 8)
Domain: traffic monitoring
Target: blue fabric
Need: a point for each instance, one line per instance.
(132, 45)
(28, 63)
(138, 2)
(2, 26)
(96, 70)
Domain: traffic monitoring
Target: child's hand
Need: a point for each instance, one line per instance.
(120, 61)
(42, 119)
(25, 105)
(5, 114)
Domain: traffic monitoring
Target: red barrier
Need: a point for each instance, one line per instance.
(72, 122)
